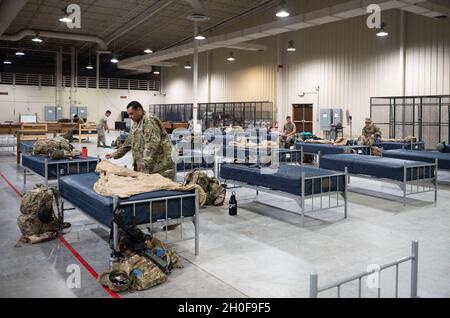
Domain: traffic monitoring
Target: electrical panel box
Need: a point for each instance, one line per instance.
(73, 111)
(50, 113)
(330, 117)
(82, 112)
(338, 117)
(326, 119)
(53, 113)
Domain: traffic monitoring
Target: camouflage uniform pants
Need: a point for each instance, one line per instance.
(68, 136)
(101, 137)
(368, 141)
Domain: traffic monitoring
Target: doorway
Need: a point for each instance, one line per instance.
(303, 117)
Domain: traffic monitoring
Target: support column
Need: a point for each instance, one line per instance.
(72, 77)
(195, 92)
(403, 65)
(281, 109)
(98, 71)
(59, 78)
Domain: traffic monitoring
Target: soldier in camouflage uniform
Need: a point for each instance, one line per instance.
(370, 133)
(149, 143)
(69, 135)
(38, 221)
(101, 127)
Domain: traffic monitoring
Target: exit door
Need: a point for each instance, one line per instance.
(303, 117)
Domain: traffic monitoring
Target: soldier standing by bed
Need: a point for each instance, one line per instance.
(101, 127)
(149, 143)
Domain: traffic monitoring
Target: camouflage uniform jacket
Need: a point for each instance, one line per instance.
(150, 145)
(367, 132)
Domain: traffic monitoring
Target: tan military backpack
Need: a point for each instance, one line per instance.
(40, 219)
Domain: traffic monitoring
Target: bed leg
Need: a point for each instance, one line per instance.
(404, 185)
(115, 226)
(24, 178)
(345, 195)
(303, 198)
(197, 229)
(46, 172)
(436, 172)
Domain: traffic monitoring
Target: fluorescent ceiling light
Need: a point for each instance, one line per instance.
(282, 10)
(291, 47)
(89, 67)
(37, 39)
(7, 62)
(148, 51)
(382, 32)
(114, 60)
(200, 36)
(20, 53)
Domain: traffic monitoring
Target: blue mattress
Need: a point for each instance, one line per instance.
(37, 165)
(378, 167)
(242, 153)
(78, 190)
(323, 149)
(400, 145)
(424, 156)
(193, 159)
(26, 147)
(286, 179)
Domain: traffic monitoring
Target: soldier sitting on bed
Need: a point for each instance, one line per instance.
(370, 135)
(69, 135)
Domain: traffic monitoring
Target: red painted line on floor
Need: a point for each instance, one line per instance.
(69, 247)
(86, 265)
(12, 187)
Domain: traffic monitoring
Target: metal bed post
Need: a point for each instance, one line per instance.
(24, 178)
(302, 154)
(414, 268)
(436, 172)
(46, 172)
(313, 285)
(197, 219)
(303, 197)
(404, 184)
(345, 193)
(116, 203)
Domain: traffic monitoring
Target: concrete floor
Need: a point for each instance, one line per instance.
(262, 252)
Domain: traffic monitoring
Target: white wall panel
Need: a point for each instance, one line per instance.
(427, 56)
(348, 62)
(251, 77)
(32, 99)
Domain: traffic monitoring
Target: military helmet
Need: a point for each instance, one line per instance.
(57, 154)
(45, 214)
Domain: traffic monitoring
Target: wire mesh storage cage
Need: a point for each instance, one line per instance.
(211, 115)
(425, 117)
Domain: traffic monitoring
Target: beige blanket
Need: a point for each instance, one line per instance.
(339, 142)
(124, 183)
(407, 139)
(242, 143)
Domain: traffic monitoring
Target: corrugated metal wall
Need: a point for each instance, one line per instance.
(349, 63)
(345, 59)
(252, 77)
(427, 56)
